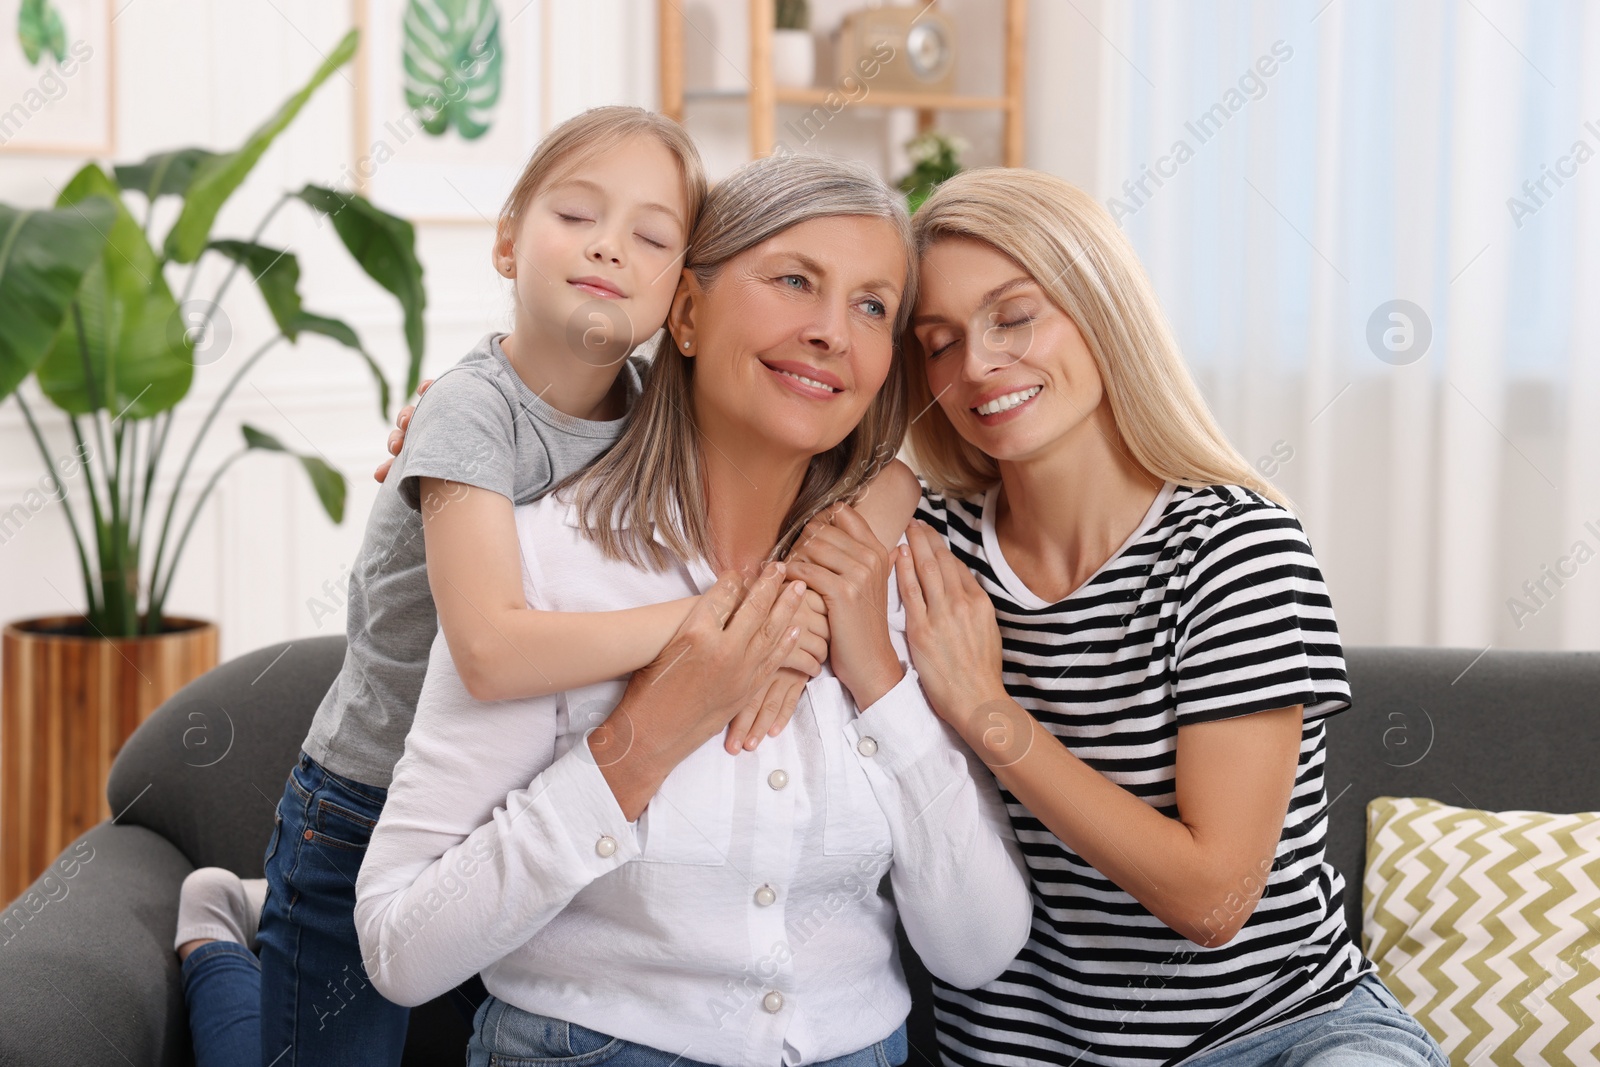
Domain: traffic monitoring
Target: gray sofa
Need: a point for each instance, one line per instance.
(87, 974)
(90, 977)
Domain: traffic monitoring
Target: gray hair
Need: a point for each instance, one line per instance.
(767, 196)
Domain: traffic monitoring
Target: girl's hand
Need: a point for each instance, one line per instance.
(951, 628)
(728, 649)
(768, 716)
(811, 651)
(397, 437)
(840, 557)
(717, 664)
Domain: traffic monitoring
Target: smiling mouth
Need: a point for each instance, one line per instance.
(596, 287)
(808, 381)
(1009, 401)
(801, 382)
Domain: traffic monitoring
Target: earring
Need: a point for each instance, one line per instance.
(686, 346)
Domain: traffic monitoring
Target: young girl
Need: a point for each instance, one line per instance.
(593, 237)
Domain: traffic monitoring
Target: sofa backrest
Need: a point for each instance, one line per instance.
(206, 769)
(1501, 731)
(1504, 730)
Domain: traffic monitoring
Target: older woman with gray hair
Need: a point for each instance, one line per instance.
(632, 893)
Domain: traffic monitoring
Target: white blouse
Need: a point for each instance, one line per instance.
(738, 921)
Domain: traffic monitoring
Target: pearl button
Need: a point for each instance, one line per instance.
(606, 846)
(766, 895)
(772, 1002)
(867, 746)
(778, 779)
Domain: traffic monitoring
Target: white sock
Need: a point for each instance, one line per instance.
(215, 903)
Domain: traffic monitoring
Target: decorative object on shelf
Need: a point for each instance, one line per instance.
(863, 75)
(794, 51)
(92, 319)
(935, 158)
(921, 40)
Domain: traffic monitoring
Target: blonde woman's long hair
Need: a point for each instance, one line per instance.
(651, 482)
(1070, 246)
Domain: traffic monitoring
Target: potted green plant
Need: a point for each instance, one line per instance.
(935, 158)
(92, 319)
(794, 53)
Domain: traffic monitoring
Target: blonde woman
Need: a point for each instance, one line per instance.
(1128, 625)
(632, 893)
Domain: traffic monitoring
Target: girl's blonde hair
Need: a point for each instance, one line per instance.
(650, 483)
(1070, 246)
(586, 135)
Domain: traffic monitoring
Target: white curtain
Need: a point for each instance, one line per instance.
(1288, 170)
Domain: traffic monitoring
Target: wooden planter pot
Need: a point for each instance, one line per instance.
(67, 704)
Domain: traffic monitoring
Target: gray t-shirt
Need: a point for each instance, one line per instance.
(479, 424)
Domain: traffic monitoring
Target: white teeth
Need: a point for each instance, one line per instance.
(1009, 401)
(808, 381)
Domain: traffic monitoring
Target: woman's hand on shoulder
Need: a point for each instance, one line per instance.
(950, 628)
(888, 502)
(397, 436)
(840, 556)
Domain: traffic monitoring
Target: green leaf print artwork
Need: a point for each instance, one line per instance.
(40, 30)
(452, 59)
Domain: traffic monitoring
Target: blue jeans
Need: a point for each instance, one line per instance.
(308, 1001)
(222, 986)
(317, 1005)
(1369, 1028)
(507, 1036)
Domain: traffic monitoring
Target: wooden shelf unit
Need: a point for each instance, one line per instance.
(765, 97)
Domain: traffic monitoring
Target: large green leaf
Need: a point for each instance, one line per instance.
(215, 179)
(163, 174)
(43, 257)
(451, 58)
(140, 359)
(40, 30)
(328, 482)
(341, 332)
(277, 274)
(386, 248)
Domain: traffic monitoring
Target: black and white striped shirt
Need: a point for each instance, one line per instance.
(1214, 607)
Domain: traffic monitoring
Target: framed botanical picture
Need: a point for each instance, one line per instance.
(57, 66)
(449, 103)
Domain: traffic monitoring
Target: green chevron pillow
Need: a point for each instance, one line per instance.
(1486, 926)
